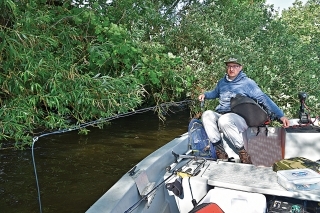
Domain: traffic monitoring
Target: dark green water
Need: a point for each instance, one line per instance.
(75, 170)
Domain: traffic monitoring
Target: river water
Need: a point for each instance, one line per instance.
(75, 170)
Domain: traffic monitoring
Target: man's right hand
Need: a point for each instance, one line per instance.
(201, 97)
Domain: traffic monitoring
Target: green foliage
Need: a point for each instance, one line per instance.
(63, 66)
(65, 63)
(275, 56)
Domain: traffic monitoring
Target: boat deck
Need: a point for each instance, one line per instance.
(251, 178)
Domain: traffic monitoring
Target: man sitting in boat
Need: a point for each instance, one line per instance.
(223, 120)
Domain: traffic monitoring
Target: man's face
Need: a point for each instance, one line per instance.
(233, 70)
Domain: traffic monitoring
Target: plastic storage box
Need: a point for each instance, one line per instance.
(234, 201)
(299, 179)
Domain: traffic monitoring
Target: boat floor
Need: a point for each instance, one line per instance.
(251, 178)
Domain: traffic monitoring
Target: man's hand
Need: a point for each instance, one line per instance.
(285, 122)
(201, 97)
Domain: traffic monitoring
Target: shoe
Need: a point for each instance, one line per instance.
(244, 156)
(220, 151)
(221, 154)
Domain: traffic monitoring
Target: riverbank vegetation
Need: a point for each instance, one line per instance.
(64, 63)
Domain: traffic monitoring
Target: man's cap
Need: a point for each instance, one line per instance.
(234, 59)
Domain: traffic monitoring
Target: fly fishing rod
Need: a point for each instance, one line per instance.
(149, 193)
(175, 172)
(176, 161)
(92, 123)
(195, 158)
(186, 156)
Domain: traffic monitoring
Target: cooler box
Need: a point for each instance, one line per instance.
(299, 179)
(234, 201)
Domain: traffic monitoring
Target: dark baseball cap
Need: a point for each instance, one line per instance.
(234, 59)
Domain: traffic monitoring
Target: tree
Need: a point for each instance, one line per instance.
(65, 63)
(62, 66)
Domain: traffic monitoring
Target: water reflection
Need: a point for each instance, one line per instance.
(75, 170)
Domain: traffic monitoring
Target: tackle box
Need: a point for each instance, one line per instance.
(299, 179)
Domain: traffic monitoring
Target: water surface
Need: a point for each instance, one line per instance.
(75, 170)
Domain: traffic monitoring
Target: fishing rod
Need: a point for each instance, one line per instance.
(195, 158)
(175, 172)
(162, 108)
(186, 156)
(202, 105)
(176, 161)
(149, 193)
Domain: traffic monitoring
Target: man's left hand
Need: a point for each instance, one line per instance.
(285, 122)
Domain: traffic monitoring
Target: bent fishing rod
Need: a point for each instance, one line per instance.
(149, 193)
(175, 172)
(162, 108)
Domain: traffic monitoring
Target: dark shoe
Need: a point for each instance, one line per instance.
(221, 154)
(244, 156)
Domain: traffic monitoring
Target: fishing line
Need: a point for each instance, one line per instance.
(162, 107)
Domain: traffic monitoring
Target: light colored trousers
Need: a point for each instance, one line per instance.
(230, 124)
